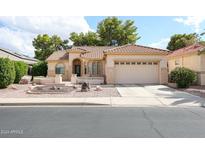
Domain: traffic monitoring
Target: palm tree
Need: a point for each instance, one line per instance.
(203, 33)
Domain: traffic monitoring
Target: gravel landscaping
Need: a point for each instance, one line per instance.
(19, 91)
(196, 90)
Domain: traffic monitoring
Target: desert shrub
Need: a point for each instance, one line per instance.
(39, 69)
(21, 69)
(183, 77)
(7, 72)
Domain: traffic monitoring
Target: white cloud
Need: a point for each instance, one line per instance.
(18, 32)
(16, 40)
(160, 44)
(194, 21)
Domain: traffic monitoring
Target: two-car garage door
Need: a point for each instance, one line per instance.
(136, 72)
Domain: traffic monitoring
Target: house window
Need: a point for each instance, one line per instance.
(85, 70)
(149, 63)
(154, 63)
(94, 68)
(138, 63)
(127, 63)
(59, 69)
(144, 63)
(122, 63)
(116, 63)
(133, 63)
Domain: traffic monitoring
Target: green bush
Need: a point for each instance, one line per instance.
(21, 69)
(7, 72)
(39, 69)
(183, 77)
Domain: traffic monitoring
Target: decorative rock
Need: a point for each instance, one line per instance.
(75, 87)
(98, 88)
(53, 88)
(23, 81)
(39, 88)
(85, 87)
(29, 92)
(14, 87)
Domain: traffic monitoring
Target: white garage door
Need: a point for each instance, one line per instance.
(136, 72)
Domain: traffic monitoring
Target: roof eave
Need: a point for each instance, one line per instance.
(134, 53)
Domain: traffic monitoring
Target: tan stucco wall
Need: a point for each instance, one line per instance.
(194, 62)
(202, 73)
(52, 66)
(190, 61)
(202, 62)
(110, 59)
(68, 66)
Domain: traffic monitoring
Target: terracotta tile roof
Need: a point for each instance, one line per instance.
(136, 49)
(187, 50)
(81, 50)
(93, 55)
(58, 55)
(97, 52)
(93, 48)
(92, 52)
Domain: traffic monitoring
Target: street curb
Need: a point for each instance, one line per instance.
(53, 104)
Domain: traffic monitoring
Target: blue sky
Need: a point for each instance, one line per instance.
(17, 33)
(154, 29)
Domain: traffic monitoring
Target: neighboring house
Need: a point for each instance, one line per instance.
(192, 57)
(16, 56)
(128, 64)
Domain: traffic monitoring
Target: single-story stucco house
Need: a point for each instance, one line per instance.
(5, 53)
(127, 64)
(192, 57)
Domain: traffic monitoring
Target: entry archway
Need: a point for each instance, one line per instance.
(77, 67)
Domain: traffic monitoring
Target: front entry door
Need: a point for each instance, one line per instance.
(77, 70)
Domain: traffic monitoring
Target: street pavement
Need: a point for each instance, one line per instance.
(101, 122)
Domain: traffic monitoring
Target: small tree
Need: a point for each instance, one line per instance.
(183, 77)
(45, 45)
(178, 41)
(7, 72)
(21, 69)
(40, 69)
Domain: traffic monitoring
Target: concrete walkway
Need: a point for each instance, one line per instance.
(137, 95)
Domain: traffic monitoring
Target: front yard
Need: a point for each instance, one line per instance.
(196, 90)
(19, 91)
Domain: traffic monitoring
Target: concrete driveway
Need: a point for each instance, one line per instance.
(156, 95)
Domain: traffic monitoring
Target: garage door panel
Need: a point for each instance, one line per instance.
(139, 74)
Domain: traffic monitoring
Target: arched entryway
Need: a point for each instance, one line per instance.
(77, 67)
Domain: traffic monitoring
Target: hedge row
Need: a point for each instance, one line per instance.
(11, 71)
(40, 69)
(7, 72)
(21, 69)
